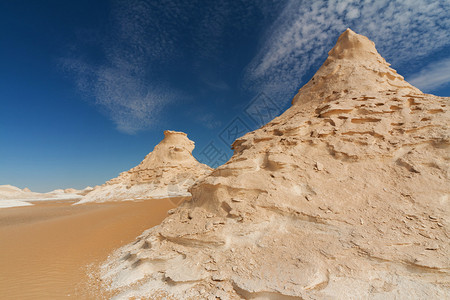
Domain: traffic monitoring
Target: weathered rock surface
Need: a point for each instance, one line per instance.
(344, 196)
(168, 171)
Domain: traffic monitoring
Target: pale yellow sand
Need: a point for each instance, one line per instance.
(44, 249)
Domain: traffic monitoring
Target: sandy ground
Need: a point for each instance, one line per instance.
(48, 250)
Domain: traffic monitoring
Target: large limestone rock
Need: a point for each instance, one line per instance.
(168, 171)
(344, 196)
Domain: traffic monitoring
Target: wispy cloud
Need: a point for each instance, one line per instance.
(208, 120)
(124, 68)
(303, 33)
(126, 73)
(121, 82)
(435, 75)
(131, 102)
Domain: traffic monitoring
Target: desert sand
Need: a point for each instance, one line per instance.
(168, 171)
(343, 196)
(49, 250)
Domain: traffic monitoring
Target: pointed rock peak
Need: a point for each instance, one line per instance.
(354, 68)
(351, 44)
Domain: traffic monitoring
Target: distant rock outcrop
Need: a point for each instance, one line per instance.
(168, 171)
(78, 192)
(11, 196)
(344, 196)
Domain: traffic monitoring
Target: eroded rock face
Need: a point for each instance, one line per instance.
(168, 171)
(345, 195)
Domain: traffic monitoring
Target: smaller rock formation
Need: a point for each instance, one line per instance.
(168, 171)
(82, 192)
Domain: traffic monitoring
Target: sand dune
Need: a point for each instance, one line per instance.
(46, 248)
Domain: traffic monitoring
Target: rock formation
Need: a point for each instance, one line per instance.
(79, 192)
(344, 196)
(11, 196)
(168, 171)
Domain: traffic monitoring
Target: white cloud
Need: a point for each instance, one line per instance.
(306, 30)
(122, 84)
(125, 83)
(433, 76)
(143, 36)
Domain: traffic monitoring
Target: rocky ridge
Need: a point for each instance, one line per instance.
(345, 195)
(168, 171)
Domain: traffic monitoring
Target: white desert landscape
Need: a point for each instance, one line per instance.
(345, 195)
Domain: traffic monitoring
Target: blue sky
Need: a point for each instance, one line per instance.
(87, 87)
